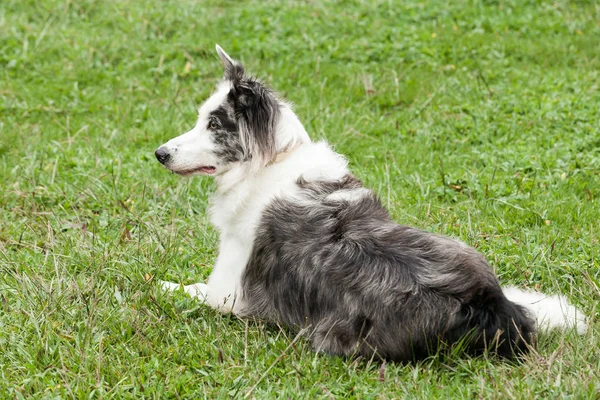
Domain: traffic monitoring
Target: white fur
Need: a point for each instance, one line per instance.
(223, 56)
(195, 148)
(348, 195)
(290, 131)
(549, 311)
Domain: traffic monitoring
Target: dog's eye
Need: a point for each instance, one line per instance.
(213, 124)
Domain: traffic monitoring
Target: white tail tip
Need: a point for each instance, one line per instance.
(549, 311)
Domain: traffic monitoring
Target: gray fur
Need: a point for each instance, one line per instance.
(226, 134)
(255, 111)
(368, 286)
(246, 123)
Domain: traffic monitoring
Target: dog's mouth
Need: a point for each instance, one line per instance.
(204, 170)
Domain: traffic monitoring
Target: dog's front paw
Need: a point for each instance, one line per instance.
(197, 290)
(169, 286)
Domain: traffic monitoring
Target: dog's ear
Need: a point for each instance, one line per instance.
(233, 70)
(257, 110)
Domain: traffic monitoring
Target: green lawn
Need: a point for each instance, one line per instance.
(475, 119)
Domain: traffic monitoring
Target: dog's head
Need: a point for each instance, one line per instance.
(235, 125)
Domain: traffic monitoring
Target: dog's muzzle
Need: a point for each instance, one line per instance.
(162, 155)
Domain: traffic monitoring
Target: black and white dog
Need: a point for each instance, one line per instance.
(303, 243)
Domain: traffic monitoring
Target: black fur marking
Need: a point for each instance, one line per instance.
(227, 135)
(234, 71)
(257, 112)
(368, 286)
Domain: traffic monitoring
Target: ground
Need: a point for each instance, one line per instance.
(475, 119)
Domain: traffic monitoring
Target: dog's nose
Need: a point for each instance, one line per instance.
(162, 155)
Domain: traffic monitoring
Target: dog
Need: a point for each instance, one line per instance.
(304, 244)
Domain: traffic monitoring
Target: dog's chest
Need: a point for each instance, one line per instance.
(239, 211)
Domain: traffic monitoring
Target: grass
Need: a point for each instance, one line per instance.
(475, 119)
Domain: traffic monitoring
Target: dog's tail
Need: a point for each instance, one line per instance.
(549, 311)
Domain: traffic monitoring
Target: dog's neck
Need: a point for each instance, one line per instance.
(284, 154)
(243, 171)
(289, 136)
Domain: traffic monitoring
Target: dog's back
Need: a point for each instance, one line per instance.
(332, 260)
